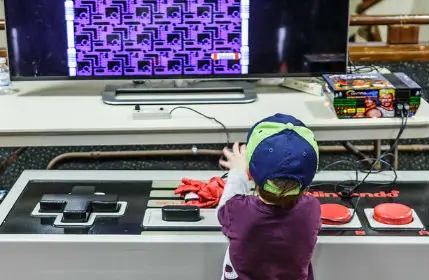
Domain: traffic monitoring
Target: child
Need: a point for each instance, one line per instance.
(272, 235)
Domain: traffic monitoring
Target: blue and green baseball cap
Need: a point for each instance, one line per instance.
(281, 147)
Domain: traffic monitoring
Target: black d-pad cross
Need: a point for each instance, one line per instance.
(77, 206)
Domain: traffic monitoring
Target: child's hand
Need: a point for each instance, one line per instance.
(235, 159)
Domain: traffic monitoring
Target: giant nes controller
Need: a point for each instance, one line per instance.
(108, 225)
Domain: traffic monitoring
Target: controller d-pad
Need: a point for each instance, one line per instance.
(78, 208)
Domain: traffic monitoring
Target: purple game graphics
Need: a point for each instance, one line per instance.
(158, 37)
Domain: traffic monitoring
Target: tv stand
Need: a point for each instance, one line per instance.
(193, 92)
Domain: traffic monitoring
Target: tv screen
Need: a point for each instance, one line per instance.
(147, 39)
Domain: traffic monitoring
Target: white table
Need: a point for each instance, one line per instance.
(70, 113)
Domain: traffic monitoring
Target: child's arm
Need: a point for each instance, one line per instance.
(237, 184)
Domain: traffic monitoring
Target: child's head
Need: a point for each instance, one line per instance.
(283, 157)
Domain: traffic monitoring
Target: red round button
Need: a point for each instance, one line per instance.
(393, 214)
(335, 214)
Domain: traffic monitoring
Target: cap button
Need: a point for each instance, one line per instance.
(289, 126)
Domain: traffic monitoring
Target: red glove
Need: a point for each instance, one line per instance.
(188, 186)
(209, 194)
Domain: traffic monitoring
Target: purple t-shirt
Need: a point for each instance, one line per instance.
(265, 241)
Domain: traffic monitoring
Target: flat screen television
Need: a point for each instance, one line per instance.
(149, 39)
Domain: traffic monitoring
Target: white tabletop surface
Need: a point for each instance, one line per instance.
(63, 113)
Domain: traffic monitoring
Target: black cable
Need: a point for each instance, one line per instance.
(350, 192)
(355, 164)
(354, 69)
(380, 159)
(349, 199)
(207, 117)
(381, 170)
(403, 126)
(210, 118)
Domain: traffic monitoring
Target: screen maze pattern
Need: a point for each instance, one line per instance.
(156, 37)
